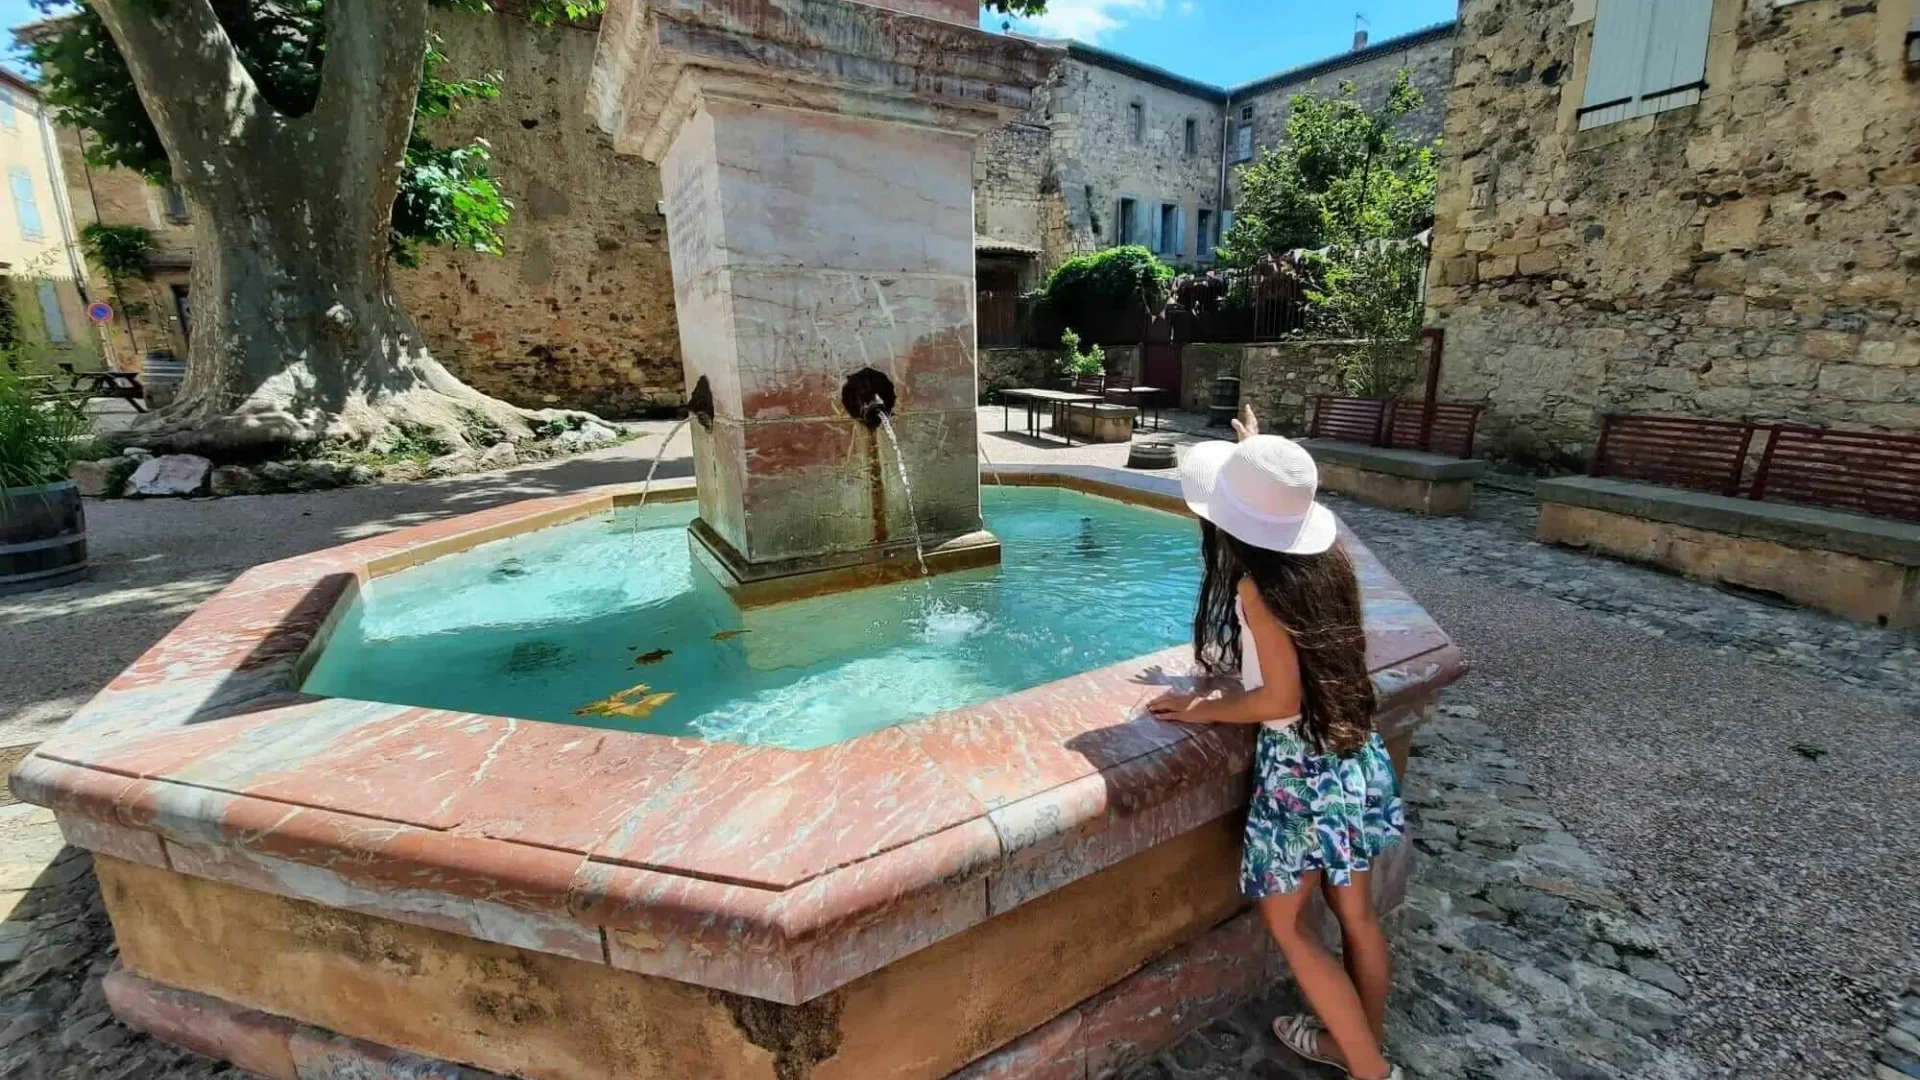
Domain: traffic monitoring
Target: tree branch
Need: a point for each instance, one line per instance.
(201, 99)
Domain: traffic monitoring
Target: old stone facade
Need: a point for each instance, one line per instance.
(577, 313)
(1751, 255)
(1115, 151)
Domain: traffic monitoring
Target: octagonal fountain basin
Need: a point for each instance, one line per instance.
(399, 803)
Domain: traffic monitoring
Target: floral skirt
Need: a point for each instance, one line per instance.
(1317, 812)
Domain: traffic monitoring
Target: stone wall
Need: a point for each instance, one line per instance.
(1279, 379)
(1427, 55)
(579, 310)
(1004, 368)
(1750, 256)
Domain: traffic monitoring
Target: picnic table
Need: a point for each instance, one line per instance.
(1141, 398)
(124, 385)
(1057, 402)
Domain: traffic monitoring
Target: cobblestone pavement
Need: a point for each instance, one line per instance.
(1750, 769)
(1515, 957)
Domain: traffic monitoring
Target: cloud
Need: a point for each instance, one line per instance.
(1088, 20)
(1187, 7)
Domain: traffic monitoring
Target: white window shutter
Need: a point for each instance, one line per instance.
(1616, 70)
(1676, 46)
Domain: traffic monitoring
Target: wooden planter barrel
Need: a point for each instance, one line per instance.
(43, 537)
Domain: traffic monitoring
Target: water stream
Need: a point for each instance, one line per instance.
(657, 455)
(991, 467)
(906, 488)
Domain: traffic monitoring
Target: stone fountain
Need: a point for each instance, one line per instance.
(1041, 885)
(817, 160)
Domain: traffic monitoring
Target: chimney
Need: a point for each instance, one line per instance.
(1359, 39)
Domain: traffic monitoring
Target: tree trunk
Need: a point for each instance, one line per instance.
(298, 335)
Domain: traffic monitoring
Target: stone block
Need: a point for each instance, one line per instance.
(1515, 246)
(1539, 262)
(1858, 382)
(1762, 66)
(171, 474)
(1829, 344)
(1497, 267)
(1898, 354)
(1102, 423)
(1479, 240)
(1734, 226)
(95, 478)
(1727, 311)
(255, 1041)
(1461, 271)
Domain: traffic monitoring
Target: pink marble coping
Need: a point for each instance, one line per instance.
(775, 873)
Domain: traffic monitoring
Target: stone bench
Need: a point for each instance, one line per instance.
(1863, 568)
(1102, 423)
(1400, 479)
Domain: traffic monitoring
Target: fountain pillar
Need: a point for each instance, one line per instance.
(817, 162)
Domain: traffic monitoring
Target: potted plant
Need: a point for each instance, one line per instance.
(43, 528)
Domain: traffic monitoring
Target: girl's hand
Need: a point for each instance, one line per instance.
(1172, 705)
(1247, 425)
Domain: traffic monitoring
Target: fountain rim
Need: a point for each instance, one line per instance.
(202, 759)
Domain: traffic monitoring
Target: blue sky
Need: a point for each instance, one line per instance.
(1227, 42)
(1224, 42)
(12, 14)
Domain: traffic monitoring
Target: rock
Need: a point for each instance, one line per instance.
(1657, 973)
(23, 1026)
(460, 461)
(137, 453)
(234, 480)
(95, 478)
(172, 474)
(499, 456)
(586, 437)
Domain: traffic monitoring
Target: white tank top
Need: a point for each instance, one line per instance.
(1250, 677)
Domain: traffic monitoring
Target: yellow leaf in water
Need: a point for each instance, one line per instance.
(640, 710)
(623, 703)
(729, 635)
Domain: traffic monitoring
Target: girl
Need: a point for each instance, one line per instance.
(1280, 608)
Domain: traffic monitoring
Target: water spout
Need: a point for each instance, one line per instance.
(647, 487)
(991, 467)
(878, 408)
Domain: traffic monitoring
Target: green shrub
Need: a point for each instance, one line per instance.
(1093, 290)
(1076, 363)
(1370, 294)
(40, 437)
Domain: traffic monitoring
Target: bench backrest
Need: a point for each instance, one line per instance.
(1451, 432)
(1090, 384)
(1864, 472)
(1678, 451)
(1361, 420)
(1120, 379)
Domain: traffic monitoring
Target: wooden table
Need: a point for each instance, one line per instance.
(1057, 402)
(124, 385)
(1141, 398)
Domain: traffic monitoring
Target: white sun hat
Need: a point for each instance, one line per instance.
(1260, 492)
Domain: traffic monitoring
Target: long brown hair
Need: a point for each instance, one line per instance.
(1317, 599)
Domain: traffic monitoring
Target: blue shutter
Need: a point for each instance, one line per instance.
(51, 314)
(1676, 49)
(23, 205)
(1616, 69)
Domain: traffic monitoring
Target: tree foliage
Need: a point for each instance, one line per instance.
(1088, 291)
(447, 195)
(1342, 176)
(119, 250)
(1369, 293)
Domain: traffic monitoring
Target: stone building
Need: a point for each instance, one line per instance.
(1707, 207)
(1115, 151)
(577, 313)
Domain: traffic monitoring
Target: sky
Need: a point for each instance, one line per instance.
(1228, 42)
(12, 14)
(1224, 42)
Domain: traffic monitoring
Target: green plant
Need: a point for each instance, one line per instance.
(40, 437)
(1343, 175)
(1370, 294)
(1088, 290)
(1077, 364)
(120, 251)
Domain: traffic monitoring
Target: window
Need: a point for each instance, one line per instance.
(1204, 240)
(175, 203)
(1171, 222)
(1137, 121)
(1243, 135)
(51, 314)
(1126, 223)
(1226, 226)
(1193, 136)
(24, 207)
(1913, 39)
(1648, 56)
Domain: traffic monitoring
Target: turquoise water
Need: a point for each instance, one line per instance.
(543, 625)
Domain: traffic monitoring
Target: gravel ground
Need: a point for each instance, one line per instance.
(1766, 812)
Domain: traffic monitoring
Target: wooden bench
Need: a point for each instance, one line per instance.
(1394, 454)
(1863, 472)
(1674, 451)
(124, 385)
(1451, 430)
(1830, 519)
(1121, 389)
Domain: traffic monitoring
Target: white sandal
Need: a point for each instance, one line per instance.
(1301, 1033)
